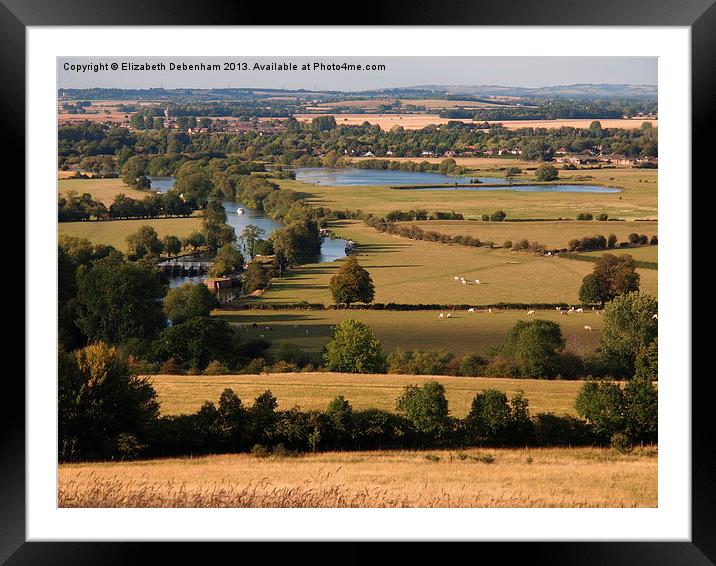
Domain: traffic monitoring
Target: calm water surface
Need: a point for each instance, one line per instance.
(331, 249)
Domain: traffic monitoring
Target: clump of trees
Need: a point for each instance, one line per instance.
(546, 172)
(189, 301)
(612, 276)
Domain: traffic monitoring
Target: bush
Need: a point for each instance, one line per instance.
(602, 217)
(215, 367)
(534, 347)
(585, 216)
(419, 363)
(621, 443)
(507, 245)
(601, 403)
(427, 409)
(498, 216)
(546, 172)
(495, 420)
(283, 367)
(472, 365)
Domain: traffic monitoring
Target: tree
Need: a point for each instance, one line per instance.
(498, 216)
(629, 328)
(602, 404)
(426, 408)
(352, 284)
(296, 242)
(534, 346)
(255, 277)
(102, 407)
(228, 260)
(144, 242)
(195, 187)
(354, 348)
(250, 236)
(195, 240)
(647, 361)
(172, 245)
(188, 301)
(117, 301)
(546, 172)
(641, 408)
(612, 276)
(196, 342)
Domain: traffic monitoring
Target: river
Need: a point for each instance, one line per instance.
(331, 248)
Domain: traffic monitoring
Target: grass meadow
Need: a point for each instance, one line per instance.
(637, 200)
(415, 272)
(460, 334)
(180, 394)
(102, 190)
(646, 253)
(531, 477)
(551, 234)
(115, 232)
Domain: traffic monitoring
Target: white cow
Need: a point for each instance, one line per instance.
(530, 313)
(471, 309)
(463, 281)
(477, 281)
(449, 315)
(489, 310)
(441, 315)
(563, 313)
(580, 309)
(587, 327)
(456, 278)
(655, 317)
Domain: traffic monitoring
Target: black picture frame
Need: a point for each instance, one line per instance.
(699, 15)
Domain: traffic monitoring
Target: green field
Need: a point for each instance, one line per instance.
(638, 198)
(414, 272)
(115, 232)
(185, 393)
(551, 234)
(103, 190)
(646, 253)
(463, 332)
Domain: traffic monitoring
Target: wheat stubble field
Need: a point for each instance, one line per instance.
(533, 477)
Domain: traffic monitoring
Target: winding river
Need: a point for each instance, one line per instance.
(331, 249)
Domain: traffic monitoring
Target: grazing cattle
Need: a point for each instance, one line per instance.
(477, 281)
(268, 328)
(563, 313)
(571, 309)
(456, 278)
(587, 327)
(463, 282)
(261, 335)
(580, 309)
(489, 310)
(449, 315)
(530, 313)
(471, 310)
(441, 315)
(655, 317)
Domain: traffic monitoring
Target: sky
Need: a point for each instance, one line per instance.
(399, 72)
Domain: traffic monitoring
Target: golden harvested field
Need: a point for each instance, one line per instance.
(385, 121)
(637, 199)
(185, 393)
(551, 234)
(419, 120)
(462, 333)
(532, 477)
(115, 232)
(103, 190)
(414, 272)
(101, 116)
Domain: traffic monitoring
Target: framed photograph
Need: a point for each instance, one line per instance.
(382, 282)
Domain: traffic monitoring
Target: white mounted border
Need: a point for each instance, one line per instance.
(670, 521)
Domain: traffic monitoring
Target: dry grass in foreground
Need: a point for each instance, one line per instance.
(547, 477)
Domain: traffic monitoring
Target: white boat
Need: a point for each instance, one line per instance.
(240, 211)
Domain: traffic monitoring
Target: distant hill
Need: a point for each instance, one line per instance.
(603, 90)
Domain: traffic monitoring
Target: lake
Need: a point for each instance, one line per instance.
(331, 249)
(354, 177)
